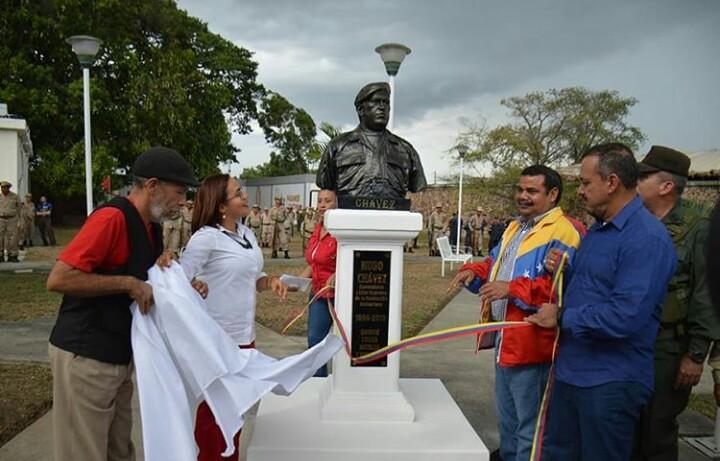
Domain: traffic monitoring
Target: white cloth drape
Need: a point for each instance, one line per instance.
(182, 356)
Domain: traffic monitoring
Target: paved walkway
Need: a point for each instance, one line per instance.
(468, 377)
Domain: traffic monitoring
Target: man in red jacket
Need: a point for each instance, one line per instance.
(513, 285)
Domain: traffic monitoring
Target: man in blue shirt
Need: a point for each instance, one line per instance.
(611, 315)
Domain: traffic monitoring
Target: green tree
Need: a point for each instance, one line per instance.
(553, 128)
(291, 131)
(161, 77)
(327, 132)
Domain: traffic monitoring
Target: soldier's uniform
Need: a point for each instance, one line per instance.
(308, 226)
(267, 228)
(278, 216)
(10, 210)
(289, 222)
(176, 232)
(28, 223)
(437, 226)
(477, 227)
(688, 325)
(254, 222)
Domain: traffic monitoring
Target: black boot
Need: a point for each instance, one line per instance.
(274, 254)
(13, 259)
(287, 256)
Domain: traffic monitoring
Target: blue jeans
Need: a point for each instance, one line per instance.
(518, 393)
(593, 423)
(319, 323)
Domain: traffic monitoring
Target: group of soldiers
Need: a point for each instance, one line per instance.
(17, 222)
(272, 227)
(275, 227)
(472, 232)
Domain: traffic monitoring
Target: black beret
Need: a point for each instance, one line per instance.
(165, 164)
(370, 89)
(661, 158)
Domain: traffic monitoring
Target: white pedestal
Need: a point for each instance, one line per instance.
(290, 429)
(362, 413)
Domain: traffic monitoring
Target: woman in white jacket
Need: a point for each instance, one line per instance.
(225, 255)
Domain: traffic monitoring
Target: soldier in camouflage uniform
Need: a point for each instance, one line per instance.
(267, 228)
(254, 222)
(437, 226)
(278, 216)
(477, 227)
(28, 222)
(689, 324)
(176, 231)
(10, 211)
(308, 226)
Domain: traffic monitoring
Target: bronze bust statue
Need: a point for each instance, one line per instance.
(369, 161)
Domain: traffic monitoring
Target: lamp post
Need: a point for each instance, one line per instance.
(462, 150)
(392, 55)
(86, 47)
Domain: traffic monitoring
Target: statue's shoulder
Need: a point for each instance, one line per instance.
(395, 139)
(339, 141)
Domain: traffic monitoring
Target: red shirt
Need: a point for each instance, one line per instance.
(321, 254)
(102, 242)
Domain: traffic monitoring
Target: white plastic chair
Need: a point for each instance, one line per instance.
(447, 254)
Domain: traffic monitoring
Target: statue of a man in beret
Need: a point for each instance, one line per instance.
(369, 161)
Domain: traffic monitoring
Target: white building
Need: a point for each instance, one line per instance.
(296, 190)
(15, 152)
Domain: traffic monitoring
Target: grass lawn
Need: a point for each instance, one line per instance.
(42, 253)
(24, 297)
(424, 295)
(26, 395)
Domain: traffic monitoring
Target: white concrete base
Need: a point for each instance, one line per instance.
(290, 429)
(383, 407)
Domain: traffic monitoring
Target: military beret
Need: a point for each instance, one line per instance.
(661, 158)
(5, 184)
(165, 164)
(370, 89)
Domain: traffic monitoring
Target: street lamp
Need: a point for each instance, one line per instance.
(392, 55)
(462, 150)
(86, 47)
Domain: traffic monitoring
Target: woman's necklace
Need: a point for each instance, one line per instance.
(245, 243)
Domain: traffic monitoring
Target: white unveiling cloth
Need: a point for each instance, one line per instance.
(182, 356)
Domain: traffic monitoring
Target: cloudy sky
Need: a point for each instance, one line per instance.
(467, 55)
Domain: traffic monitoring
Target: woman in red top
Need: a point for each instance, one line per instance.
(320, 254)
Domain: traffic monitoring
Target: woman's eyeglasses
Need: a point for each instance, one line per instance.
(241, 192)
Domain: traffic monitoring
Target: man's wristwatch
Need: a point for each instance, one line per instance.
(696, 356)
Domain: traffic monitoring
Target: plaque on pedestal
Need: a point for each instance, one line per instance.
(371, 303)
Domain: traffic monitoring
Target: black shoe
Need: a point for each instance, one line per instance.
(495, 455)
(287, 256)
(274, 254)
(13, 259)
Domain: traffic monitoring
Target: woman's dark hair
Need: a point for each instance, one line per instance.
(210, 195)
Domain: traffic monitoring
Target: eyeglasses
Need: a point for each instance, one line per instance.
(241, 192)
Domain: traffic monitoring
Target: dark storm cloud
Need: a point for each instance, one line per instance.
(460, 48)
